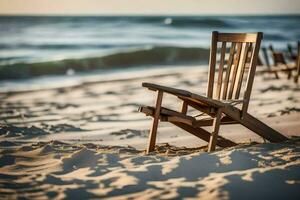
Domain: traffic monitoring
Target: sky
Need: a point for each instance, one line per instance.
(148, 7)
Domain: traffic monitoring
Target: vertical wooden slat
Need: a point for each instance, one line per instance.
(247, 65)
(212, 64)
(242, 69)
(251, 73)
(250, 52)
(235, 68)
(153, 131)
(221, 67)
(228, 70)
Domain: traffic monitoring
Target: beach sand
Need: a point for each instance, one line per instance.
(88, 141)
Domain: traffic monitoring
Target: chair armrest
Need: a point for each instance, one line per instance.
(174, 91)
(184, 94)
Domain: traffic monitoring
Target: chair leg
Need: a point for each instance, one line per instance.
(184, 107)
(153, 131)
(214, 134)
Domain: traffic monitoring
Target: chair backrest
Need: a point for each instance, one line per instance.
(278, 56)
(226, 83)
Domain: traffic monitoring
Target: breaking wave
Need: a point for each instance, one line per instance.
(159, 55)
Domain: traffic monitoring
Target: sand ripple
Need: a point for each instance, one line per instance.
(60, 170)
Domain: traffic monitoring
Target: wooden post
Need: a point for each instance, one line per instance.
(214, 134)
(153, 131)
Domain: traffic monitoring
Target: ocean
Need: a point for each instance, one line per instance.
(32, 46)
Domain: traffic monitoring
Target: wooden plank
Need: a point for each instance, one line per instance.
(176, 117)
(237, 37)
(200, 106)
(251, 73)
(235, 69)
(228, 70)
(205, 135)
(169, 90)
(212, 64)
(209, 121)
(255, 125)
(184, 94)
(221, 67)
(214, 134)
(153, 131)
(165, 113)
(205, 100)
(146, 110)
(149, 111)
(262, 129)
(242, 70)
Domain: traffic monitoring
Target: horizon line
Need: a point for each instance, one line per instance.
(141, 14)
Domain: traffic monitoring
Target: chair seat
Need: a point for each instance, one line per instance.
(169, 115)
(279, 68)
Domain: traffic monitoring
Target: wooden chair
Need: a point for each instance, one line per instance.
(223, 94)
(280, 63)
(268, 68)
